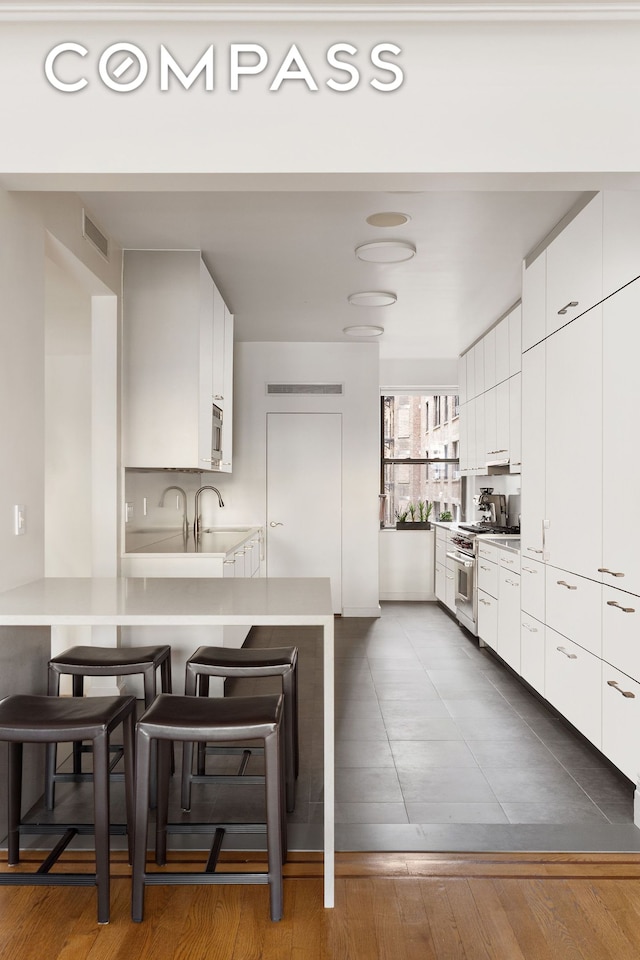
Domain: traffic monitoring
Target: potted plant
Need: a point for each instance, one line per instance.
(423, 509)
(445, 517)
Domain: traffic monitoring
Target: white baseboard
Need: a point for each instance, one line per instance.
(422, 596)
(361, 611)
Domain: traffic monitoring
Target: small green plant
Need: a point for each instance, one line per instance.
(412, 510)
(401, 516)
(424, 508)
(445, 516)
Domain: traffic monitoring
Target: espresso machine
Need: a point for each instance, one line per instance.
(493, 506)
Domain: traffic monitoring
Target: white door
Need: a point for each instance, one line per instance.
(304, 497)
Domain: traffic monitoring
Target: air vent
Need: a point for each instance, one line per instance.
(308, 389)
(94, 235)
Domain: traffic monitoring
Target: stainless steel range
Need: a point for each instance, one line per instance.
(464, 557)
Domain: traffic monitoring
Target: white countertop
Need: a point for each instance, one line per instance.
(169, 542)
(168, 600)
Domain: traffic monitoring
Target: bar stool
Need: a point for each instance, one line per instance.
(35, 719)
(83, 662)
(190, 719)
(244, 662)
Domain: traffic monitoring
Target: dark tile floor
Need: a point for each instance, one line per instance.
(438, 747)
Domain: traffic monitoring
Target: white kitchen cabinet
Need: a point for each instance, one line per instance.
(515, 340)
(532, 651)
(572, 683)
(620, 451)
(621, 721)
(450, 588)
(480, 435)
(532, 588)
(488, 619)
(471, 374)
(574, 267)
(574, 446)
(573, 607)
(478, 362)
(509, 617)
(502, 421)
(445, 585)
(472, 449)
(488, 577)
(508, 560)
(463, 428)
(490, 424)
(462, 379)
(515, 420)
(440, 586)
(533, 482)
(620, 630)
(502, 350)
(534, 302)
(489, 344)
(621, 239)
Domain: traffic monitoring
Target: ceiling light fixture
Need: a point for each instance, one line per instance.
(386, 251)
(363, 330)
(372, 298)
(389, 219)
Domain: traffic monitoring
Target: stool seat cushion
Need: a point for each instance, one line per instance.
(110, 657)
(211, 718)
(49, 719)
(234, 661)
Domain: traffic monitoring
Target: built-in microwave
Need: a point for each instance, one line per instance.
(216, 435)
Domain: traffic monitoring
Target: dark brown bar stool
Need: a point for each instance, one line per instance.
(244, 662)
(83, 662)
(190, 719)
(51, 720)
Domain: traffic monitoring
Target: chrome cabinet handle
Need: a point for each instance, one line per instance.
(533, 550)
(563, 310)
(569, 656)
(218, 396)
(530, 570)
(512, 583)
(506, 562)
(614, 603)
(563, 583)
(530, 629)
(485, 568)
(276, 524)
(487, 603)
(625, 693)
(611, 573)
(450, 576)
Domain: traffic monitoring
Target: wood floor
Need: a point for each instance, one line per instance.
(388, 907)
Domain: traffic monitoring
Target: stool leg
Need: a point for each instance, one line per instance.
(275, 806)
(187, 766)
(143, 769)
(77, 685)
(101, 822)
(14, 802)
(289, 738)
(162, 809)
(51, 749)
(149, 677)
(128, 742)
(202, 747)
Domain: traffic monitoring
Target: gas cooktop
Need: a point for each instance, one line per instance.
(487, 528)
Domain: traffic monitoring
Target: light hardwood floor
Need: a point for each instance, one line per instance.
(388, 907)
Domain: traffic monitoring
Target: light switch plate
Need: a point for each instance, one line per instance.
(19, 519)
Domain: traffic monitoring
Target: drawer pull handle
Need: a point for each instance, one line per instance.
(611, 573)
(614, 603)
(530, 629)
(563, 310)
(563, 583)
(530, 570)
(488, 569)
(569, 656)
(512, 583)
(625, 693)
(487, 603)
(534, 550)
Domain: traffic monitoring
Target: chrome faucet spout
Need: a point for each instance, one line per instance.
(185, 521)
(197, 521)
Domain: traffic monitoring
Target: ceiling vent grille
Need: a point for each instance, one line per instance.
(94, 235)
(306, 389)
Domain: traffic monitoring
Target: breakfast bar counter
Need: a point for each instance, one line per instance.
(166, 601)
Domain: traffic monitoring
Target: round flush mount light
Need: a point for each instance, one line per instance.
(386, 251)
(388, 219)
(363, 330)
(372, 298)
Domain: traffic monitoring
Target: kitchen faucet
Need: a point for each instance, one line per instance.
(185, 522)
(196, 522)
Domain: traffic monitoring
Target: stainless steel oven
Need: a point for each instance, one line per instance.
(463, 556)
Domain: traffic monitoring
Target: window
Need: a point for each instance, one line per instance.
(412, 471)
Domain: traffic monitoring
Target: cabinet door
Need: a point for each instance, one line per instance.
(462, 379)
(488, 577)
(509, 618)
(620, 626)
(621, 239)
(441, 582)
(471, 374)
(490, 424)
(472, 458)
(621, 721)
(515, 419)
(532, 588)
(620, 453)
(573, 607)
(574, 267)
(489, 343)
(480, 437)
(488, 619)
(534, 302)
(574, 446)
(573, 683)
(515, 341)
(533, 452)
(532, 651)
(478, 353)
(205, 354)
(227, 420)
(450, 589)
(218, 348)
(463, 428)
(502, 421)
(502, 350)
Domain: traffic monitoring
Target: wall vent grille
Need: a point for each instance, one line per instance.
(94, 235)
(307, 389)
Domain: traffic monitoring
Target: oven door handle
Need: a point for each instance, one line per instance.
(459, 560)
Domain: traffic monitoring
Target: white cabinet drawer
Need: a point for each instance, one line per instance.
(487, 551)
(620, 631)
(488, 619)
(509, 618)
(450, 588)
(440, 582)
(488, 576)
(441, 552)
(532, 652)
(532, 588)
(509, 561)
(621, 721)
(573, 608)
(574, 267)
(572, 683)
(441, 534)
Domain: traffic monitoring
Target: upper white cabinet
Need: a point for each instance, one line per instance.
(533, 452)
(515, 424)
(574, 267)
(502, 350)
(471, 374)
(168, 360)
(462, 379)
(489, 344)
(223, 375)
(515, 340)
(621, 239)
(478, 353)
(534, 302)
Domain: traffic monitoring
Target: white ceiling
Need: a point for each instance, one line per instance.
(285, 261)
